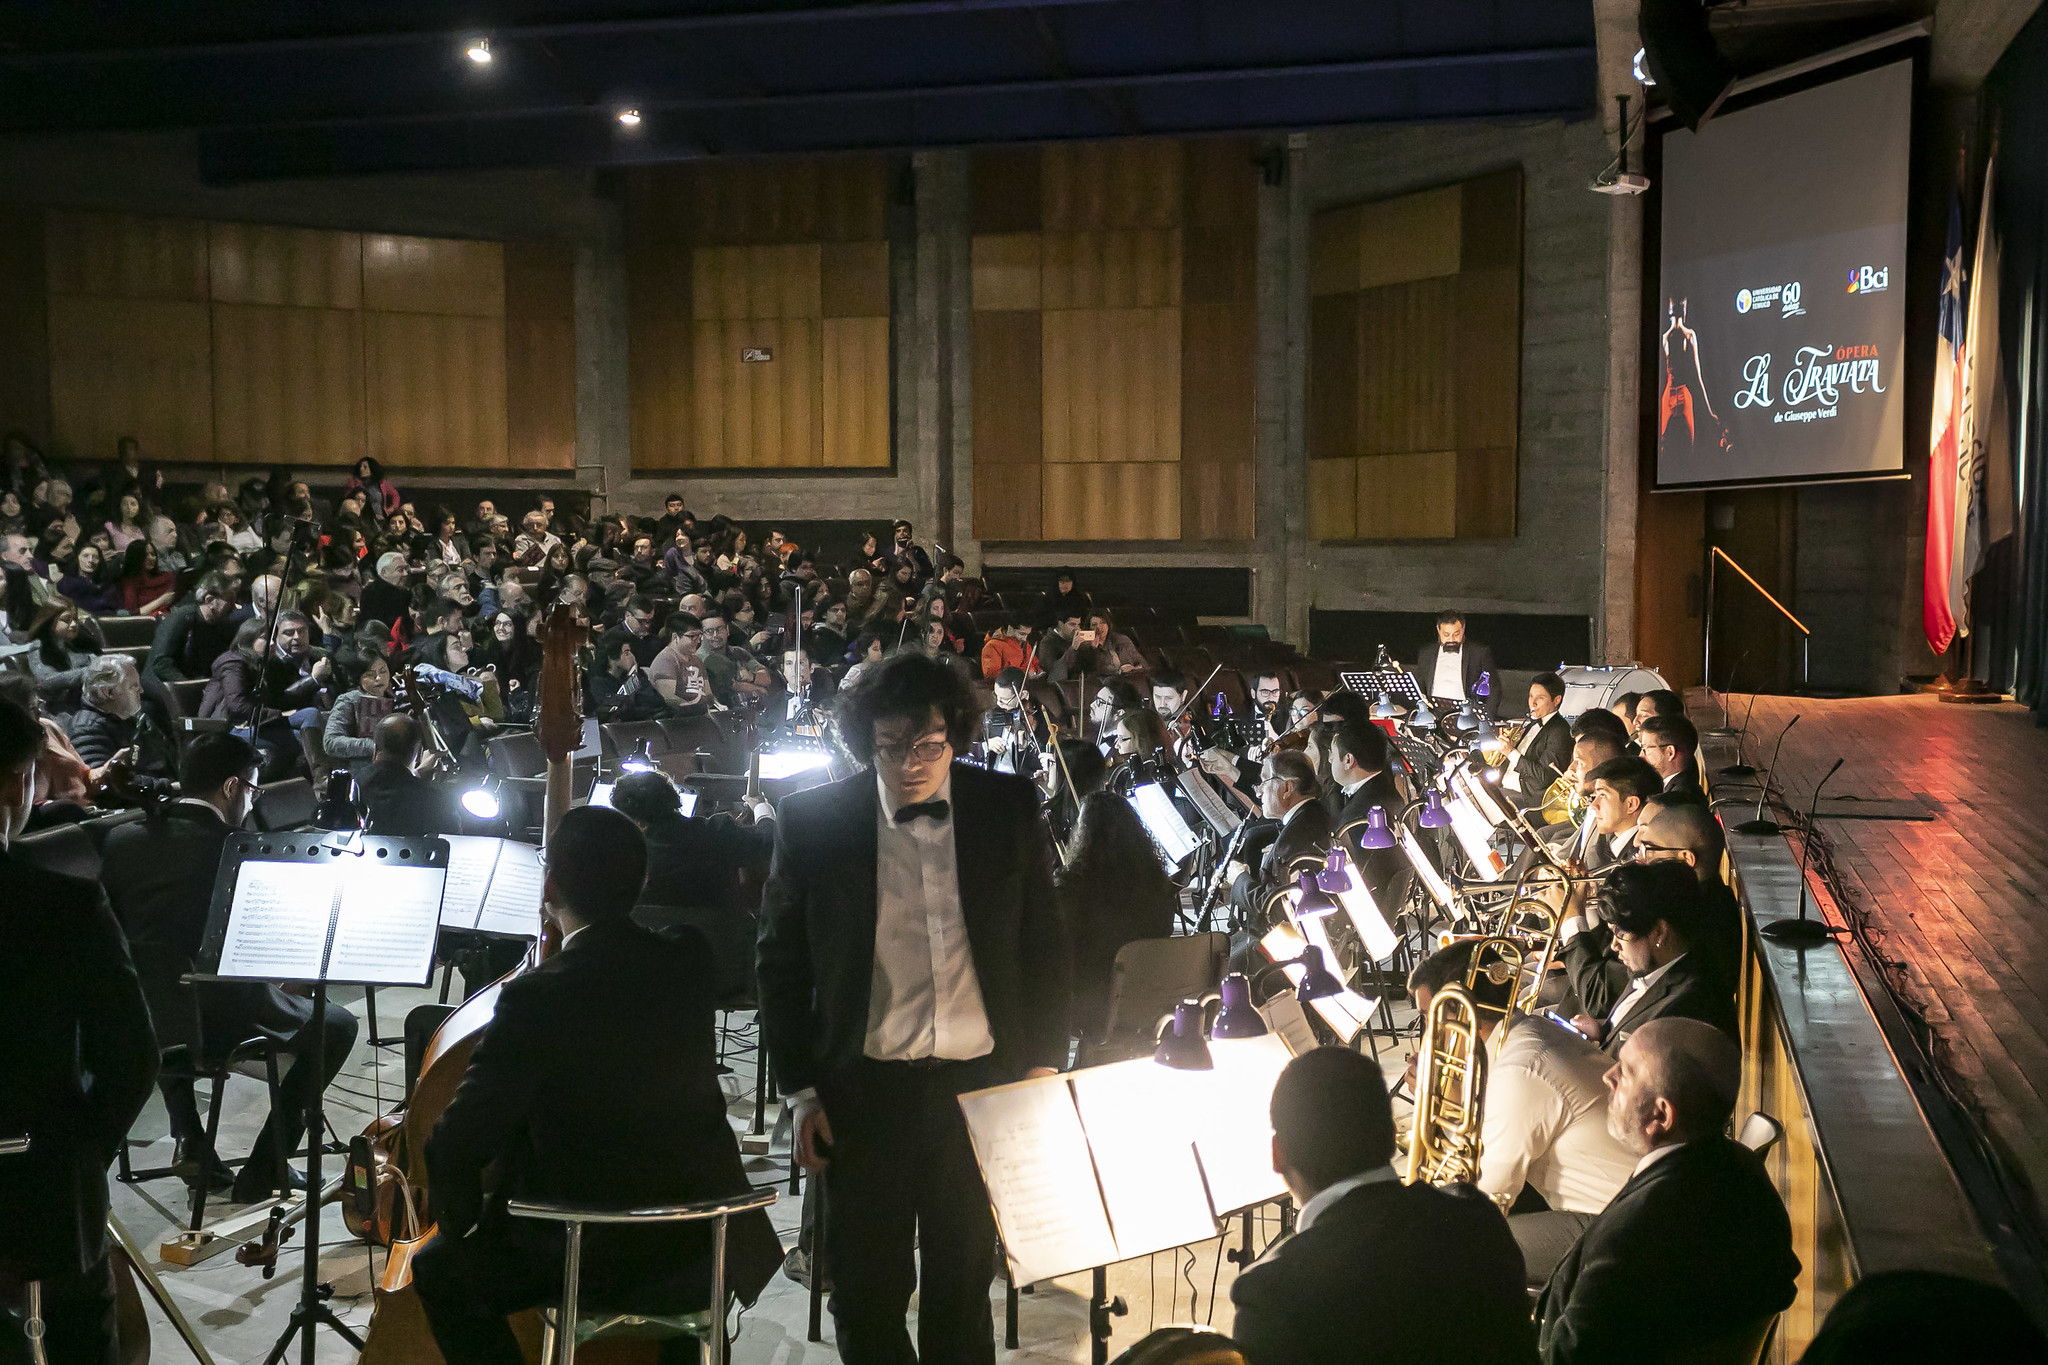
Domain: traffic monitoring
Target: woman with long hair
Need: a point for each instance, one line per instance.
(84, 582)
(146, 590)
(127, 525)
(1114, 889)
(380, 495)
(66, 643)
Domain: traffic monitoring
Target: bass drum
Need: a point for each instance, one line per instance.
(1586, 687)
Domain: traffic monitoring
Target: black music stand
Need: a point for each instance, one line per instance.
(320, 909)
(1397, 683)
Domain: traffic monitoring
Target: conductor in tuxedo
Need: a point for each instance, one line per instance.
(159, 873)
(76, 1070)
(596, 1082)
(1449, 668)
(1695, 1251)
(910, 951)
(1376, 1270)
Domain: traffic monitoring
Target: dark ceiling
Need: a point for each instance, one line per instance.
(289, 89)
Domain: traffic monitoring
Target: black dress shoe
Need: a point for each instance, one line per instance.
(199, 1166)
(254, 1185)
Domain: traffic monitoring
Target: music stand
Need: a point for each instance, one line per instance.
(1208, 803)
(1397, 683)
(323, 909)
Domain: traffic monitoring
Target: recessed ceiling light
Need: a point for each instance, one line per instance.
(479, 51)
(630, 117)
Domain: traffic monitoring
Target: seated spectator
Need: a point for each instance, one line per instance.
(368, 480)
(84, 582)
(388, 598)
(1651, 913)
(618, 689)
(535, 541)
(146, 589)
(1005, 648)
(63, 781)
(237, 692)
(365, 682)
(66, 643)
(459, 716)
(1111, 891)
(111, 719)
(1544, 1127)
(737, 677)
(13, 516)
(195, 632)
(163, 535)
(1115, 655)
(128, 524)
(1378, 1270)
(1695, 1251)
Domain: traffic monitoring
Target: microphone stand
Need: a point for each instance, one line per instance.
(1757, 824)
(1739, 768)
(1804, 932)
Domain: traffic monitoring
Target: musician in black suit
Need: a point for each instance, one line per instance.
(694, 870)
(159, 872)
(911, 950)
(1679, 827)
(1449, 668)
(1359, 770)
(1290, 795)
(397, 799)
(1670, 744)
(1376, 1270)
(1652, 916)
(1544, 752)
(76, 1071)
(1695, 1251)
(596, 1082)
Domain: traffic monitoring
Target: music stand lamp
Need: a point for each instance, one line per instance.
(1433, 815)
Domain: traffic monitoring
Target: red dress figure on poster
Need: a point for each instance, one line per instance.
(1683, 378)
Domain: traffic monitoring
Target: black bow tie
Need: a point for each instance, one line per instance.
(1451, 649)
(938, 810)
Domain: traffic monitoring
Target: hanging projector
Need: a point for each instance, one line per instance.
(1622, 180)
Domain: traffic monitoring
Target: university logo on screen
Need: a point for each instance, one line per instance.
(1813, 388)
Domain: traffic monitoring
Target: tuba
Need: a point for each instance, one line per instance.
(1450, 1093)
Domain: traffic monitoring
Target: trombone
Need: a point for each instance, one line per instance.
(1450, 1093)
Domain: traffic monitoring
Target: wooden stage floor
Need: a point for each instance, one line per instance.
(1957, 904)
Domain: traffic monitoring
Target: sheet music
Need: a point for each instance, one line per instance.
(1176, 841)
(277, 924)
(389, 919)
(1347, 1011)
(1364, 913)
(1425, 872)
(1137, 1118)
(1034, 1159)
(1234, 1129)
(1289, 1021)
(513, 904)
(1472, 831)
(1209, 802)
(1483, 801)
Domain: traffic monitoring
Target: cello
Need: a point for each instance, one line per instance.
(386, 1191)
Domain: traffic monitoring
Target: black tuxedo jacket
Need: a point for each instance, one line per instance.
(77, 1066)
(1393, 1274)
(159, 874)
(1690, 990)
(1477, 659)
(816, 954)
(1686, 779)
(596, 1081)
(1689, 1252)
(1307, 833)
(1550, 750)
(398, 802)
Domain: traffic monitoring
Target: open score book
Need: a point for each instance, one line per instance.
(346, 919)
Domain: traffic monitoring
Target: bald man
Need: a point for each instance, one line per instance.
(1695, 1252)
(397, 800)
(1678, 827)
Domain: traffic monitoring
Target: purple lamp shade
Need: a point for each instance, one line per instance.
(1434, 816)
(1422, 718)
(1316, 981)
(1220, 708)
(1467, 718)
(1238, 1018)
(1314, 900)
(1484, 687)
(1336, 874)
(1183, 1048)
(1376, 834)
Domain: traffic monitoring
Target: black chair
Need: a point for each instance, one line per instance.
(1150, 977)
(128, 632)
(69, 850)
(286, 805)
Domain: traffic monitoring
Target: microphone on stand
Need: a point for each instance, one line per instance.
(1757, 824)
(1804, 932)
(1738, 768)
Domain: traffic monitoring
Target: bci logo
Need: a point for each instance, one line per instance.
(1868, 280)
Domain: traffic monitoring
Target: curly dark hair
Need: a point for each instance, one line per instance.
(906, 684)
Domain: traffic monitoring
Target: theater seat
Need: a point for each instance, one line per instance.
(66, 849)
(286, 805)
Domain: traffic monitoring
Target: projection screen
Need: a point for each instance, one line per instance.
(1781, 312)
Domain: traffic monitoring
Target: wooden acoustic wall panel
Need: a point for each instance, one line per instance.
(1333, 499)
(132, 367)
(540, 356)
(1134, 268)
(124, 255)
(1333, 367)
(434, 389)
(1008, 501)
(854, 410)
(24, 324)
(1408, 497)
(854, 280)
(1008, 416)
(1133, 183)
(1217, 499)
(660, 368)
(757, 414)
(293, 267)
(1406, 368)
(1217, 427)
(287, 385)
(736, 282)
(1128, 501)
(1112, 385)
(433, 275)
(1007, 272)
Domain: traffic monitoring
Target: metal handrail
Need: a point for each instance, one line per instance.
(1707, 653)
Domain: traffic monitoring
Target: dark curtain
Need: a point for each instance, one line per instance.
(2013, 589)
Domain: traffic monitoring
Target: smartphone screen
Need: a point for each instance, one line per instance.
(1565, 1023)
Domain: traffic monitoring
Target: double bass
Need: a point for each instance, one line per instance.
(386, 1194)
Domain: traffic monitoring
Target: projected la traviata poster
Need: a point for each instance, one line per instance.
(1781, 358)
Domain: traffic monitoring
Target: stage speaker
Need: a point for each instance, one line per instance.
(1690, 72)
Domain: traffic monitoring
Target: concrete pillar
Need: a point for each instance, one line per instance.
(940, 445)
(1614, 628)
(604, 422)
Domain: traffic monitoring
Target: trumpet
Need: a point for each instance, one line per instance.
(1450, 1092)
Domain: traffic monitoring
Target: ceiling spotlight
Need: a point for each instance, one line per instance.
(479, 51)
(1641, 68)
(630, 117)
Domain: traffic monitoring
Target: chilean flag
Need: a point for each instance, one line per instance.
(1936, 618)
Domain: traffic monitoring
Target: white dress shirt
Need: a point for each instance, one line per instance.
(1546, 1121)
(925, 999)
(1322, 1199)
(1637, 989)
(1653, 1156)
(1450, 674)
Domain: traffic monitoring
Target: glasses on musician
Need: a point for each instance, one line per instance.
(922, 752)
